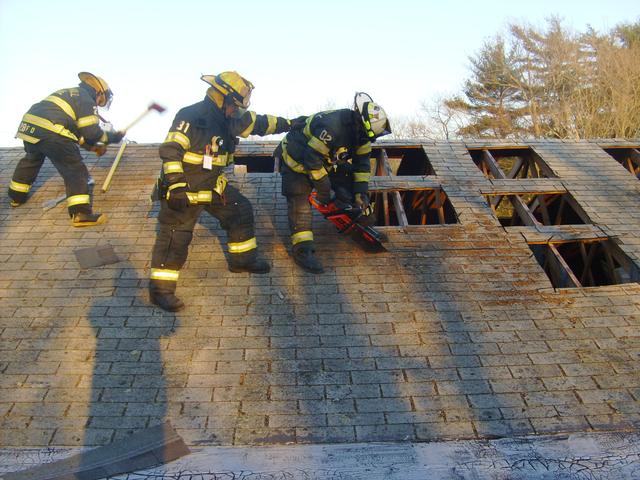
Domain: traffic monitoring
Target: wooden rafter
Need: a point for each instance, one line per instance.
(634, 156)
(613, 274)
(560, 211)
(565, 276)
(540, 203)
(440, 197)
(518, 204)
(516, 168)
(381, 171)
(395, 196)
(587, 259)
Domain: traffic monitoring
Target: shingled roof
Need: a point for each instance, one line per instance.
(472, 325)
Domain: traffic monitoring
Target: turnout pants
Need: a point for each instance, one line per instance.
(65, 156)
(176, 231)
(296, 187)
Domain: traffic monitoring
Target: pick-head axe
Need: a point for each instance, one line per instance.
(153, 106)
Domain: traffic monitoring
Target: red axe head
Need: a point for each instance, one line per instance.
(157, 108)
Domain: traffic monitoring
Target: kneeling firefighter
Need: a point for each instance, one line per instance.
(200, 143)
(330, 150)
(54, 128)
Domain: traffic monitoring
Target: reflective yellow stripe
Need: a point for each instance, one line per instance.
(86, 121)
(247, 131)
(307, 127)
(272, 121)
(78, 200)
(318, 174)
(364, 149)
(176, 185)
(292, 164)
(221, 184)
(361, 176)
(62, 104)
(104, 138)
(163, 274)
(318, 145)
(49, 125)
(242, 247)
(203, 196)
(221, 160)
(299, 168)
(19, 187)
(172, 167)
(304, 236)
(193, 158)
(27, 138)
(173, 187)
(180, 138)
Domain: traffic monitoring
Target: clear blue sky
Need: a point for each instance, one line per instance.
(301, 56)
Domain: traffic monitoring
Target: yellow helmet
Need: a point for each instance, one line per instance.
(374, 118)
(232, 86)
(104, 95)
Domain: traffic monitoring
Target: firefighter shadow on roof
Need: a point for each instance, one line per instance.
(428, 361)
(347, 379)
(128, 384)
(475, 330)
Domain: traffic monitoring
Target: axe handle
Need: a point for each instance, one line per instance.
(114, 166)
(140, 117)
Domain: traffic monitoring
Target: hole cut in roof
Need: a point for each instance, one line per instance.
(511, 163)
(537, 209)
(628, 157)
(587, 263)
(403, 161)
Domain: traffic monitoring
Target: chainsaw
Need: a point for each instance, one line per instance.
(345, 218)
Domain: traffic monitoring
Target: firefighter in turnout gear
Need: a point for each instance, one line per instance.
(54, 128)
(200, 143)
(330, 150)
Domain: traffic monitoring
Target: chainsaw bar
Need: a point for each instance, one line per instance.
(345, 220)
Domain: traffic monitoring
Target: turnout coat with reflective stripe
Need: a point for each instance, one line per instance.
(201, 129)
(70, 112)
(328, 139)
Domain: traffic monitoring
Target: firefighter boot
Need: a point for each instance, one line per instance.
(304, 256)
(164, 298)
(248, 262)
(83, 219)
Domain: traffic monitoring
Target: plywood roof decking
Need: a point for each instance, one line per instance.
(456, 332)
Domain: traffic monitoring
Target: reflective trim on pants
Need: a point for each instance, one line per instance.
(78, 200)
(241, 247)
(164, 274)
(19, 187)
(304, 236)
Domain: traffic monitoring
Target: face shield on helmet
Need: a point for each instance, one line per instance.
(235, 89)
(374, 118)
(108, 99)
(104, 95)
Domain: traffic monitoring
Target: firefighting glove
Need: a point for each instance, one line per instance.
(177, 199)
(325, 196)
(362, 200)
(116, 137)
(99, 149)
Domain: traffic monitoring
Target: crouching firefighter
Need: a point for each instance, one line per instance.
(330, 150)
(200, 143)
(54, 128)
